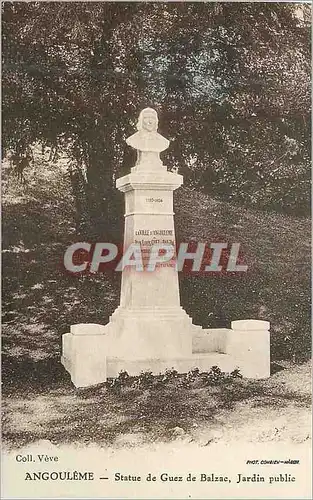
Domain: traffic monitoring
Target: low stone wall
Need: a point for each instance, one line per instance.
(246, 346)
(247, 342)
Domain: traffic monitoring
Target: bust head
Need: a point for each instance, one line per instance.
(147, 140)
(148, 120)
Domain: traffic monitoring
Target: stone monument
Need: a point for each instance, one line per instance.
(150, 330)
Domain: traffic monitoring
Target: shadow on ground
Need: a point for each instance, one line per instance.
(40, 402)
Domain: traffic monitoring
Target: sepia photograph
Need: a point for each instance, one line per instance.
(156, 250)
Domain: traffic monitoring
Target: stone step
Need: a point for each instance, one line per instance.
(183, 365)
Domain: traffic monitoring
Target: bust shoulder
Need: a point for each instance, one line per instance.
(148, 141)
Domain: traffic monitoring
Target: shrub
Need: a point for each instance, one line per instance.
(144, 381)
(116, 384)
(216, 376)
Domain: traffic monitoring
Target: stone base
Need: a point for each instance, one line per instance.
(149, 333)
(83, 356)
(89, 351)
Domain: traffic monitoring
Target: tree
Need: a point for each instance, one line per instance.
(236, 91)
(66, 87)
(227, 78)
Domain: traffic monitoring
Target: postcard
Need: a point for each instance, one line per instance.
(156, 333)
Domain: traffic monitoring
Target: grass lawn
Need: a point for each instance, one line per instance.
(45, 406)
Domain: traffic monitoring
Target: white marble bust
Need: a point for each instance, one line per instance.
(147, 141)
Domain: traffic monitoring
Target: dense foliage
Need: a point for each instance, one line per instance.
(231, 82)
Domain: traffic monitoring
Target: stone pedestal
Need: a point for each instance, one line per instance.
(150, 330)
(83, 354)
(249, 345)
(150, 323)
